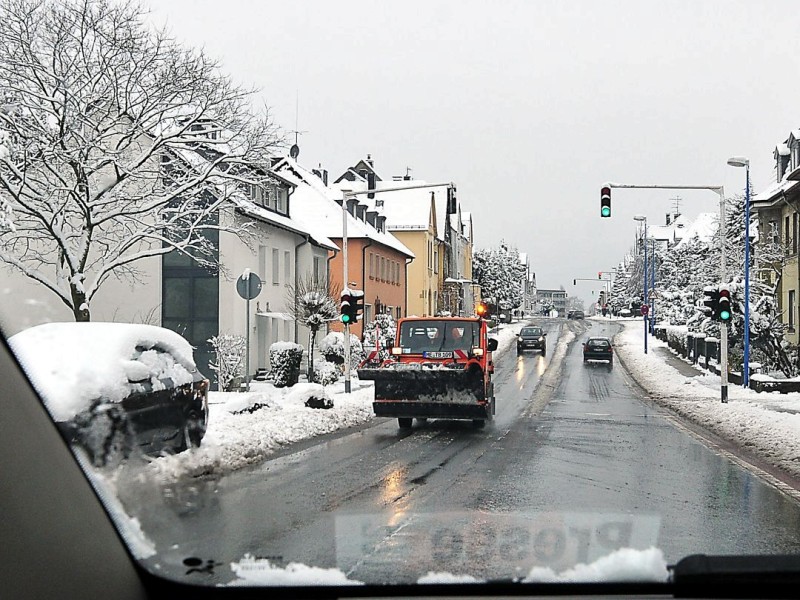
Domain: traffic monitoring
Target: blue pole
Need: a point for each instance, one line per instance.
(653, 286)
(746, 367)
(644, 317)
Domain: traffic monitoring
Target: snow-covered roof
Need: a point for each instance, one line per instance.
(782, 149)
(702, 229)
(316, 204)
(773, 190)
(406, 209)
(671, 233)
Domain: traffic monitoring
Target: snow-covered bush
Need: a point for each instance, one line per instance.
(326, 373)
(383, 327)
(285, 358)
(332, 348)
(311, 395)
(228, 361)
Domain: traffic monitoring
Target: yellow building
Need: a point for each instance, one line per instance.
(777, 210)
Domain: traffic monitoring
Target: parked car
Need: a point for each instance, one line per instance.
(532, 338)
(113, 387)
(571, 314)
(625, 312)
(598, 348)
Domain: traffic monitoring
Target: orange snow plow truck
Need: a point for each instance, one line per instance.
(440, 368)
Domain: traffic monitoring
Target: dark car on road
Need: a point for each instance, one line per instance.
(531, 338)
(113, 388)
(578, 314)
(598, 348)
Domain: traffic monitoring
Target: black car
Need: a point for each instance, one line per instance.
(531, 338)
(578, 314)
(113, 388)
(598, 348)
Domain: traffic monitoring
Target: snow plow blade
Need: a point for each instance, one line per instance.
(436, 385)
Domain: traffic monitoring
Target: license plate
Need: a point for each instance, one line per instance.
(437, 355)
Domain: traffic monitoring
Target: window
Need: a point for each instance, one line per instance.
(371, 265)
(287, 267)
(282, 200)
(318, 274)
(791, 310)
(786, 236)
(276, 265)
(794, 233)
(383, 268)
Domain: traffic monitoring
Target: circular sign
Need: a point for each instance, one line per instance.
(248, 287)
(645, 309)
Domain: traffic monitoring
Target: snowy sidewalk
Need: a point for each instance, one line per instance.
(766, 424)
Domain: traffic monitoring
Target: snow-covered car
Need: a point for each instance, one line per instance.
(115, 387)
(625, 312)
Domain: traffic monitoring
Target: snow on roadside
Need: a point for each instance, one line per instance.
(767, 424)
(235, 439)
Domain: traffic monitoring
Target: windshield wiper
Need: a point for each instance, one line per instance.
(765, 576)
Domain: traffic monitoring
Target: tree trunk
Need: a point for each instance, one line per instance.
(311, 337)
(80, 308)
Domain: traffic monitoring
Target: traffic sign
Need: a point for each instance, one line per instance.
(248, 285)
(645, 309)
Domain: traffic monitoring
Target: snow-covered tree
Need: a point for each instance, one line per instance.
(228, 364)
(500, 274)
(116, 144)
(312, 305)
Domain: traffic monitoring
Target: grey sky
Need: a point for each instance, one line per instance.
(528, 106)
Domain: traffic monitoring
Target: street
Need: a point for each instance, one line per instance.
(577, 463)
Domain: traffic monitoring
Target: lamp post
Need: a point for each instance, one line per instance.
(644, 243)
(740, 161)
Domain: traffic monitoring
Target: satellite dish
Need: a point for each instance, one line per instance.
(294, 151)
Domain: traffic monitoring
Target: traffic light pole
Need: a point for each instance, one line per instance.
(723, 327)
(345, 279)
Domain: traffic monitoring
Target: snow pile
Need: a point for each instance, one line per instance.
(255, 572)
(442, 578)
(624, 565)
(768, 424)
(236, 437)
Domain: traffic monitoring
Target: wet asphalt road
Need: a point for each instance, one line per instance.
(576, 464)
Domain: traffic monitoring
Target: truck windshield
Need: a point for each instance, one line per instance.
(434, 336)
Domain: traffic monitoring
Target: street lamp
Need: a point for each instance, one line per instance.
(644, 241)
(740, 161)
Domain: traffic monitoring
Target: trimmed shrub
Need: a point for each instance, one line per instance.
(325, 373)
(285, 358)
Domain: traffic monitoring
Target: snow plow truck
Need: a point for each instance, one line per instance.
(439, 368)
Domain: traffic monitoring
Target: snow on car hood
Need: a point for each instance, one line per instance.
(74, 364)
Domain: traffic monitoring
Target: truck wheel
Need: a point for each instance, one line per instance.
(405, 422)
(478, 423)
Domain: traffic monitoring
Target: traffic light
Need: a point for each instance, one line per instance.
(605, 202)
(482, 309)
(357, 304)
(599, 274)
(724, 313)
(352, 305)
(711, 301)
(346, 307)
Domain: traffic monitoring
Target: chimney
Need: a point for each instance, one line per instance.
(371, 183)
(369, 161)
(669, 218)
(325, 176)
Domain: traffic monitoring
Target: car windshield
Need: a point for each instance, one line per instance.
(441, 294)
(432, 336)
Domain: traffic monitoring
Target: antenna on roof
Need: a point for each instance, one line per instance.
(677, 201)
(294, 151)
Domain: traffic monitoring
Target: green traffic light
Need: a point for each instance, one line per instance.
(605, 212)
(345, 318)
(725, 315)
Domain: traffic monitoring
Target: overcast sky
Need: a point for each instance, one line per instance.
(528, 108)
